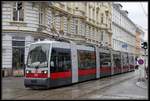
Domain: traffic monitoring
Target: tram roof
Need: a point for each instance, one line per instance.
(84, 47)
(47, 41)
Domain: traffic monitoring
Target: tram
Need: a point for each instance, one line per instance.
(55, 63)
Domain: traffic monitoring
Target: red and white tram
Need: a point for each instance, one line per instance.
(56, 63)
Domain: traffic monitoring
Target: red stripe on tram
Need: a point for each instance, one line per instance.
(82, 72)
(117, 69)
(125, 68)
(105, 69)
(57, 75)
(36, 75)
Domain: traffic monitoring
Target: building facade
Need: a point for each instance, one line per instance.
(26, 22)
(124, 30)
(139, 40)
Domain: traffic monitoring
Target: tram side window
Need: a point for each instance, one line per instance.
(86, 59)
(122, 57)
(60, 60)
(105, 59)
(125, 60)
(131, 60)
(117, 61)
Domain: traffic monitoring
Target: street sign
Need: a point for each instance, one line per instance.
(140, 61)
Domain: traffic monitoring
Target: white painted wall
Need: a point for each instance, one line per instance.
(28, 41)
(120, 35)
(6, 51)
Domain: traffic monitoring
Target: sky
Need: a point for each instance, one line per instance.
(136, 14)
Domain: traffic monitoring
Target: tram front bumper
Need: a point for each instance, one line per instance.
(34, 82)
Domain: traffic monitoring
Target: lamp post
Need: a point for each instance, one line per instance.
(144, 46)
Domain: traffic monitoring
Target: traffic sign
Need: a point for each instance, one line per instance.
(140, 61)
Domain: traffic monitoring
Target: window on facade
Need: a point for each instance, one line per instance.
(96, 16)
(53, 19)
(18, 11)
(61, 23)
(60, 60)
(41, 15)
(85, 29)
(86, 59)
(89, 12)
(89, 30)
(93, 31)
(102, 18)
(76, 26)
(105, 59)
(68, 25)
(106, 20)
(97, 32)
(93, 13)
(102, 35)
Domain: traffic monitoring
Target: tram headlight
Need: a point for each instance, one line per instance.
(27, 71)
(45, 71)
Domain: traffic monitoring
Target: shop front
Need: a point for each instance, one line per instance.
(18, 56)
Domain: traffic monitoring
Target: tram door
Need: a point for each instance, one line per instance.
(61, 69)
(125, 63)
(105, 62)
(122, 61)
(117, 62)
(131, 62)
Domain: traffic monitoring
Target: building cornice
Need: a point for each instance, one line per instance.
(66, 13)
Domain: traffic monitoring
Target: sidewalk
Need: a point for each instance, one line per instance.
(142, 83)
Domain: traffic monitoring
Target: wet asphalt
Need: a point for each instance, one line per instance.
(122, 86)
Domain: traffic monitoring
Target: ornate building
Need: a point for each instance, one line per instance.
(24, 22)
(139, 40)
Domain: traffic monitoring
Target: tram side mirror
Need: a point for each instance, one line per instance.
(52, 63)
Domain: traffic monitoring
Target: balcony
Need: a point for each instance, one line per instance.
(18, 23)
(79, 13)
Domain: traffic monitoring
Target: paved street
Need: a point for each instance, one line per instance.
(117, 87)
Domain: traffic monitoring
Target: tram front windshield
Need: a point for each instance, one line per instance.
(38, 56)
